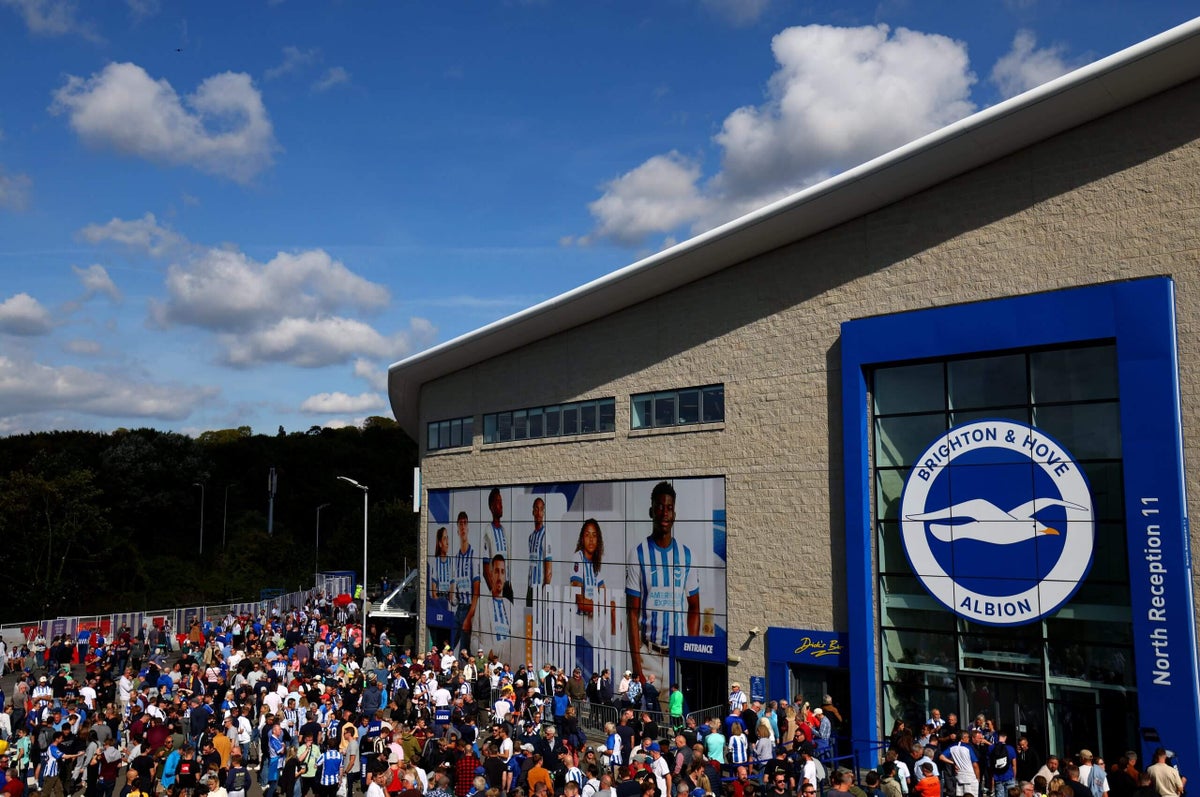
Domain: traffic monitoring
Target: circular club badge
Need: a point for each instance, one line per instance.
(997, 522)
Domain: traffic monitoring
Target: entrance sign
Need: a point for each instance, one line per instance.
(997, 522)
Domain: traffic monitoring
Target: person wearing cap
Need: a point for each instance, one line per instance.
(737, 698)
(823, 735)
(660, 768)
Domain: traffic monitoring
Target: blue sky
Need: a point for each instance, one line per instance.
(239, 213)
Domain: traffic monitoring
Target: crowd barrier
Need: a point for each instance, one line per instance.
(177, 620)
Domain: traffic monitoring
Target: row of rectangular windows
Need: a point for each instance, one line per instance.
(661, 409)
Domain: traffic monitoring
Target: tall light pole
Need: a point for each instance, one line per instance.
(201, 486)
(362, 487)
(317, 558)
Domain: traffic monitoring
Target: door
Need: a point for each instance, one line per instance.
(1017, 707)
(703, 685)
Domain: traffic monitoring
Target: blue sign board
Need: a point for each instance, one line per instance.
(1139, 315)
(709, 649)
(758, 688)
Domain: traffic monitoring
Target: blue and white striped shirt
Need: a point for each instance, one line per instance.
(539, 554)
(495, 541)
(739, 749)
(663, 578)
(501, 620)
(50, 760)
(584, 575)
(466, 575)
(331, 767)
(441, 576)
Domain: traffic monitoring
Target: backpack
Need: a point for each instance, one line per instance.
(1000, 759)
(239, 780)
(1097, 785)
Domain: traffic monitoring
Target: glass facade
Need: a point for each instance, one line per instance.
(1065, 681)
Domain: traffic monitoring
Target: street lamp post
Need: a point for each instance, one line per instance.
(317, 558)
(362, 487)
(201, 486)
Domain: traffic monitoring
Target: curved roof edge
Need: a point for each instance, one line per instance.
(1133, 74)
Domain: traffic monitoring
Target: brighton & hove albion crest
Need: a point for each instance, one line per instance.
(997, 522)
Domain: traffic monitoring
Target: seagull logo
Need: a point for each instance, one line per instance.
(996, 521)
(981, 520)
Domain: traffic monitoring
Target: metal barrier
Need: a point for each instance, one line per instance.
(594, 716)
(719, 711)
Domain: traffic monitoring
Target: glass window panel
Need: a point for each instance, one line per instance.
(912, 702)
(639, 412)
(889, 485)
(664, 409)
(587, 417)
(432, 436)
(1074, 374)
(1018, 651)
(553, 421)
(959, 417)
(891, 549)
(1062, 633)
(1108, 489)
(1089, 431)
(520, 425)
(490, 434)
(900, 441)
(504, 426)
(987, 382)
(1103, 662)
(909, 388)
(689, 406)
(570, 419)
(919, 647)
(444, 434)
(608, 415)
(535, 423)
(456, 432)
(714, 404)
(468, 431)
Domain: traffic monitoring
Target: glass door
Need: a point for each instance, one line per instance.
(1017, 707)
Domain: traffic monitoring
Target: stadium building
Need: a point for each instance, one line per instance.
(924, 428)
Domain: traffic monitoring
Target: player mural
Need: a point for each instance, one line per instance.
(589, 574)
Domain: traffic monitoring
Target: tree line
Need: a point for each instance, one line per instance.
(95, 523)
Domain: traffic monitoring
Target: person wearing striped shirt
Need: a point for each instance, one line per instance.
(49, 772)
(739, 745)
(585, 577)
(540, 557)
(662, 590)
(495, 540)
(465, 595)
(612, 746)
(496, 613)
(441, 573)
(330, 766)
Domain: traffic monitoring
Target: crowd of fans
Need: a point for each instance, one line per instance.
(307, 701)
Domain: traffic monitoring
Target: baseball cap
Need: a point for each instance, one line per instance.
(654, 748)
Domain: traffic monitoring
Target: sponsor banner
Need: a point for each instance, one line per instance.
(589, 574)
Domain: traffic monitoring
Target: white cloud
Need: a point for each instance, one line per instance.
(96, 281)
(144, 235)
(82, 346)
(1025, 66)
(222, 128)
(657, 196)
(33, 388)
(293, 59)
(51, 17)
(839, 97)
(143, 9)
(225, 290)
(371, 373)
(739, 12)
(24, 315)
(334, 76)
(342, 403)
(14, 190)
(313, 343)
